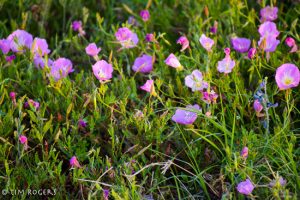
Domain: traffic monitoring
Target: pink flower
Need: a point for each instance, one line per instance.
(23, 139)
(183, 41)
(40, 47)
(10, 58)
(172, 61)
(77, 26)
(257, 106)
(92, 49)
(105, 194)
(227, 64)
(126, 37)
(270, 43)
(186, 117)
(287, 76)
(268, 13)
(251, 53)
(40, 62)
(195, 81)
(143, 64)
(102, 70)
(74, 162)
(149, 87)
(214, 28)
(12, 95)
(82, 123)
(145, 15)
(33, 104)
(241, 44)
(278, 182)
(150, 37)
(61, 68)
(268, 29)
(5, 46)
(244, 152)
(210, 97)
(206, 42)
(289, 41)
(20, 40)
(245, 187)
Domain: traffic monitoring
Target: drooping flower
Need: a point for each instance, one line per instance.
(23, 139)
(77, 26)
(32, 103)
(214, 28)
(227, 64)
(251, 53)
(186, 117)
(145, 15)
(40, 47)
(150, 37)
(206, 42)
(244, 152)
(74, 162)
(195, 81)
(82, 123)
(105, 194)
(143, 64)
(10, 58)
(149, 87)
(245, 187)
(5, 46)
(268, 13)
(102, 70)
(40, 62)
(61, 68)
(278, 182)
(92, 50)
(210, 97)
(20, 40)
(241, 44)
(287, 76)
(126, 37)
(184, 42)
(257, 106)
(290, 42)
(172, 61)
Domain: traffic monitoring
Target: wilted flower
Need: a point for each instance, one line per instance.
(102, 70)
(82, 123)
(61, 68)
(244, 152)
(23, 139)
(227, 64)
(214, 28)
(245, 187)
(138, 115)
(10, 58)
(40, 62)
(257, 106)
(145, 15)
(150, 37)
(5, 46)
(40, 47)
(278, 182)
(132, 21)
(20, 40)
(206, 42)
(287, 76)
(268, 13)
(77, 26)
(195, 81)
(241, 44)
(149, 87)
(32, 103)
(74, 162)
(92, 50)
(143, 64)
(251, 53)
(126, 37)
(289, 41)
(172, 61)
(184, 42)
(186, 117)
(105, 194)
(210, 97)
(12, 95)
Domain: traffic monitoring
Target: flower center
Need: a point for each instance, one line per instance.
(287, 80)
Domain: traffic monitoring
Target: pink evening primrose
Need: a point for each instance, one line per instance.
(244, 152)
(227, 64)
(61, 68)
(145, 15)
(77, 26)
(149, 87)
(271, 43)
(40, 47)
(240, 44)
(10, 58)
(172, 61)
(20, 40)
(92, 50)
(143, 64)
(251, 53)
(150, 37)
(268, 13)
(290, 42)
(195, 81)
(186, 117)
(287, 76)
(33, 104)
(268, 29)
(126, 37)
(23, 139)
(102, 70)
(40, 62)
(5, 46)
(257, 106)
(184, 42)
(206, 42)
(210, 97)
(245, 187)
(74, 162)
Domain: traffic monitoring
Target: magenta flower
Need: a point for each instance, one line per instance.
(126, 37)
(244, 152)
(40, 47)
(143, 64)
(61, 68)
(290, 42)
(251, 53)
(206, 42)
(210, 97)
(74, 162)
(184, 42)
(227, 64)
(149, 87)
(77, 26)
(287, 76)
(23, 139)
(10, 58)
(195, 81)
(92, 50)
(268, 13)
(145, 15)
(257, 106)
(245, 187)
(20, 40)
(33, 104)
(5, 46)
(40, 62)
(150, 37)
(241, 44)
(278, 182)
(82, 123)
(102, 70)
(172, 61)
(214, 28)
(12, 95)
(105, 194)
(186, 117)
